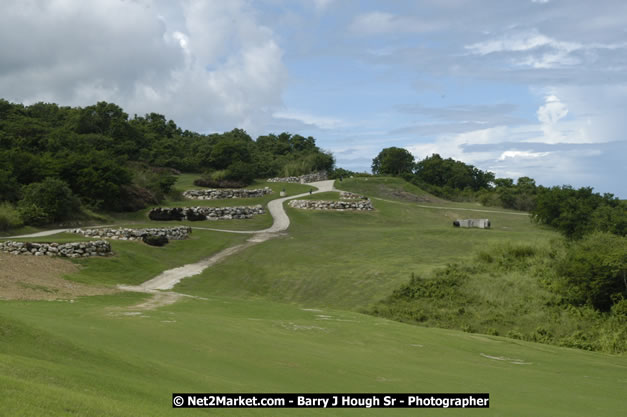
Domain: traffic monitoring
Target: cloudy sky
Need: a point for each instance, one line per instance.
(518, 87)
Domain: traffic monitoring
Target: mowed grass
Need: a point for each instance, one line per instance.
(89, 359)
(276, 319)
(350, 260)
(135, 262)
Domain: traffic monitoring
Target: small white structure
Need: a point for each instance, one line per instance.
(479, 223)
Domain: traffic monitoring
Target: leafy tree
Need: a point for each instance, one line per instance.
(435, 170)
(571, 211)
(393, 161)
(48, 201)
(594, 271)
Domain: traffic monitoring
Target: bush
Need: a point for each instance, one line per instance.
(135, 198)
(211, 183)
(48, 201)
(33, 215)
(155, 240)
(9, 217)
(241, 171)
(593, 271)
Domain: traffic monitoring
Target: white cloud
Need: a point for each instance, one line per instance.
(541, 51)
(215, 68)
(374, 23)
(320, 122)
(522, 154)
(322, 5)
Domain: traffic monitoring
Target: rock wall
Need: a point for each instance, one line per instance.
(69, 250)
(172, 233)
(364, 205)
(345, 195)
(316, 176)
(221, 193)
(205, 213)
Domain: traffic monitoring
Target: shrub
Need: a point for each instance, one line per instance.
(135, 198)
(48, 201)
(155, 240)
(593, 271)
(33, 215)
(9, 217)
(241, 171)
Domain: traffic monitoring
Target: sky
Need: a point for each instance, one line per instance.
(532, 88)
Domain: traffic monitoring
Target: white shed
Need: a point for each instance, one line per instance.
(479, 223)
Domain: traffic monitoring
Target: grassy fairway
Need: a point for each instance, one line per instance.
(282, 316)
(88, 358)
(352, 259)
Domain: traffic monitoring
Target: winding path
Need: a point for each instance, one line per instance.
(161, 285)
(168, 279)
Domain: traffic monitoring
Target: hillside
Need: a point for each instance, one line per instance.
(286, 315)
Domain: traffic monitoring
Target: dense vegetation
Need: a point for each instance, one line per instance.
(101, 159)
(574, 212)
(582, 278)
(570, 295)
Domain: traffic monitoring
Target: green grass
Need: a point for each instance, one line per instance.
(99, 362)
(353, 259)
(185, 182)
(135, 262)
(329, 196)
(391, 188)
(283, 316)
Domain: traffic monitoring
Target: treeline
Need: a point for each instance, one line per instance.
(574, 212)
(98, 158)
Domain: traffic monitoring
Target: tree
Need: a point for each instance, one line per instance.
(393, 161)
(48, 201)
(572, 212)
(594, 271)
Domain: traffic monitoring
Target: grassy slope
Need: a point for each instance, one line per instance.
(98, 362)
(88, 358)
(352, 259)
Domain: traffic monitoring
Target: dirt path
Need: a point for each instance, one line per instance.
(456, 208)
(168, 279)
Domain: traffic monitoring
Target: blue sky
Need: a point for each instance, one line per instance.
(522, 87)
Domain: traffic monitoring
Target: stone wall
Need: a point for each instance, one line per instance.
(69, 250)
(205, 213)
(364, 205)
(345, 195)
(172, 233)
(316, 176)
(221, 193)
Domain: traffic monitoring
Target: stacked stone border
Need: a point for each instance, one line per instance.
(68, 250)
(172, 233)
(205, 213)
(223, 193)
(364, 205)
(346, 195)
(316, 176)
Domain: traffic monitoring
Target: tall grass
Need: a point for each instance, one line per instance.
(505, 291)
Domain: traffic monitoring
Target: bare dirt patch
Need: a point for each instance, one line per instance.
(41, 278)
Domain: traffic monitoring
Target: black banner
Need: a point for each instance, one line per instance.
(456, 400)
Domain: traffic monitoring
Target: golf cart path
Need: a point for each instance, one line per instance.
(280, 220)
(168, 279)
